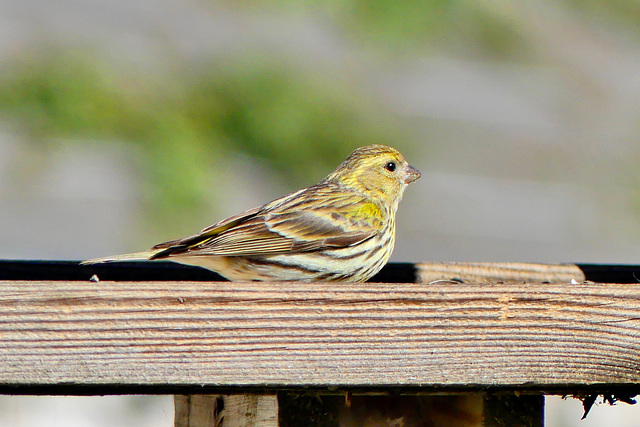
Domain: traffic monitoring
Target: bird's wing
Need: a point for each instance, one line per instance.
(327, 221)
(171, 247)
(211, 230)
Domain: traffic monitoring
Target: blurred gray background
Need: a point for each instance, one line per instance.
(123, 124)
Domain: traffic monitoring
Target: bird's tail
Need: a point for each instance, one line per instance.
(135, 256)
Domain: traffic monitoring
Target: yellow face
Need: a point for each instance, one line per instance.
(378, 170)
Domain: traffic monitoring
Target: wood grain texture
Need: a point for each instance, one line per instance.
(498, 272)
(198, 410)
(239, 410)
(222, 334)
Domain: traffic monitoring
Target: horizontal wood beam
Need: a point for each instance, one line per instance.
(392, 273)
(212, 336)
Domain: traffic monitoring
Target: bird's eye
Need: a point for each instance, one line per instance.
(391, 166)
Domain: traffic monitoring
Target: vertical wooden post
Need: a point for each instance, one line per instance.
(510, 410)
(236, 410)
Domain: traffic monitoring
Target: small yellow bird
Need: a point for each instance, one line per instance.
(341, 229)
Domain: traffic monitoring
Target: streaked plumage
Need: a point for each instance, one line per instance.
(342, 228)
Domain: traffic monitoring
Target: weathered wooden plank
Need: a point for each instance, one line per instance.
(484, 272)
(239, 410)
(198, 410)
(391, 273)
(223, 334)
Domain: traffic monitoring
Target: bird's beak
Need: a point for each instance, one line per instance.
(410, 174)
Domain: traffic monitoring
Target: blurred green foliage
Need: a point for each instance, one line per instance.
(425, 25)
(470, 27)
(187, 121)
(624, 14)
(487, 29)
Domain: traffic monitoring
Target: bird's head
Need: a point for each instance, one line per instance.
(376, 170)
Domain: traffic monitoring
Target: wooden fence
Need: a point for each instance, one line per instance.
(478, 343)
